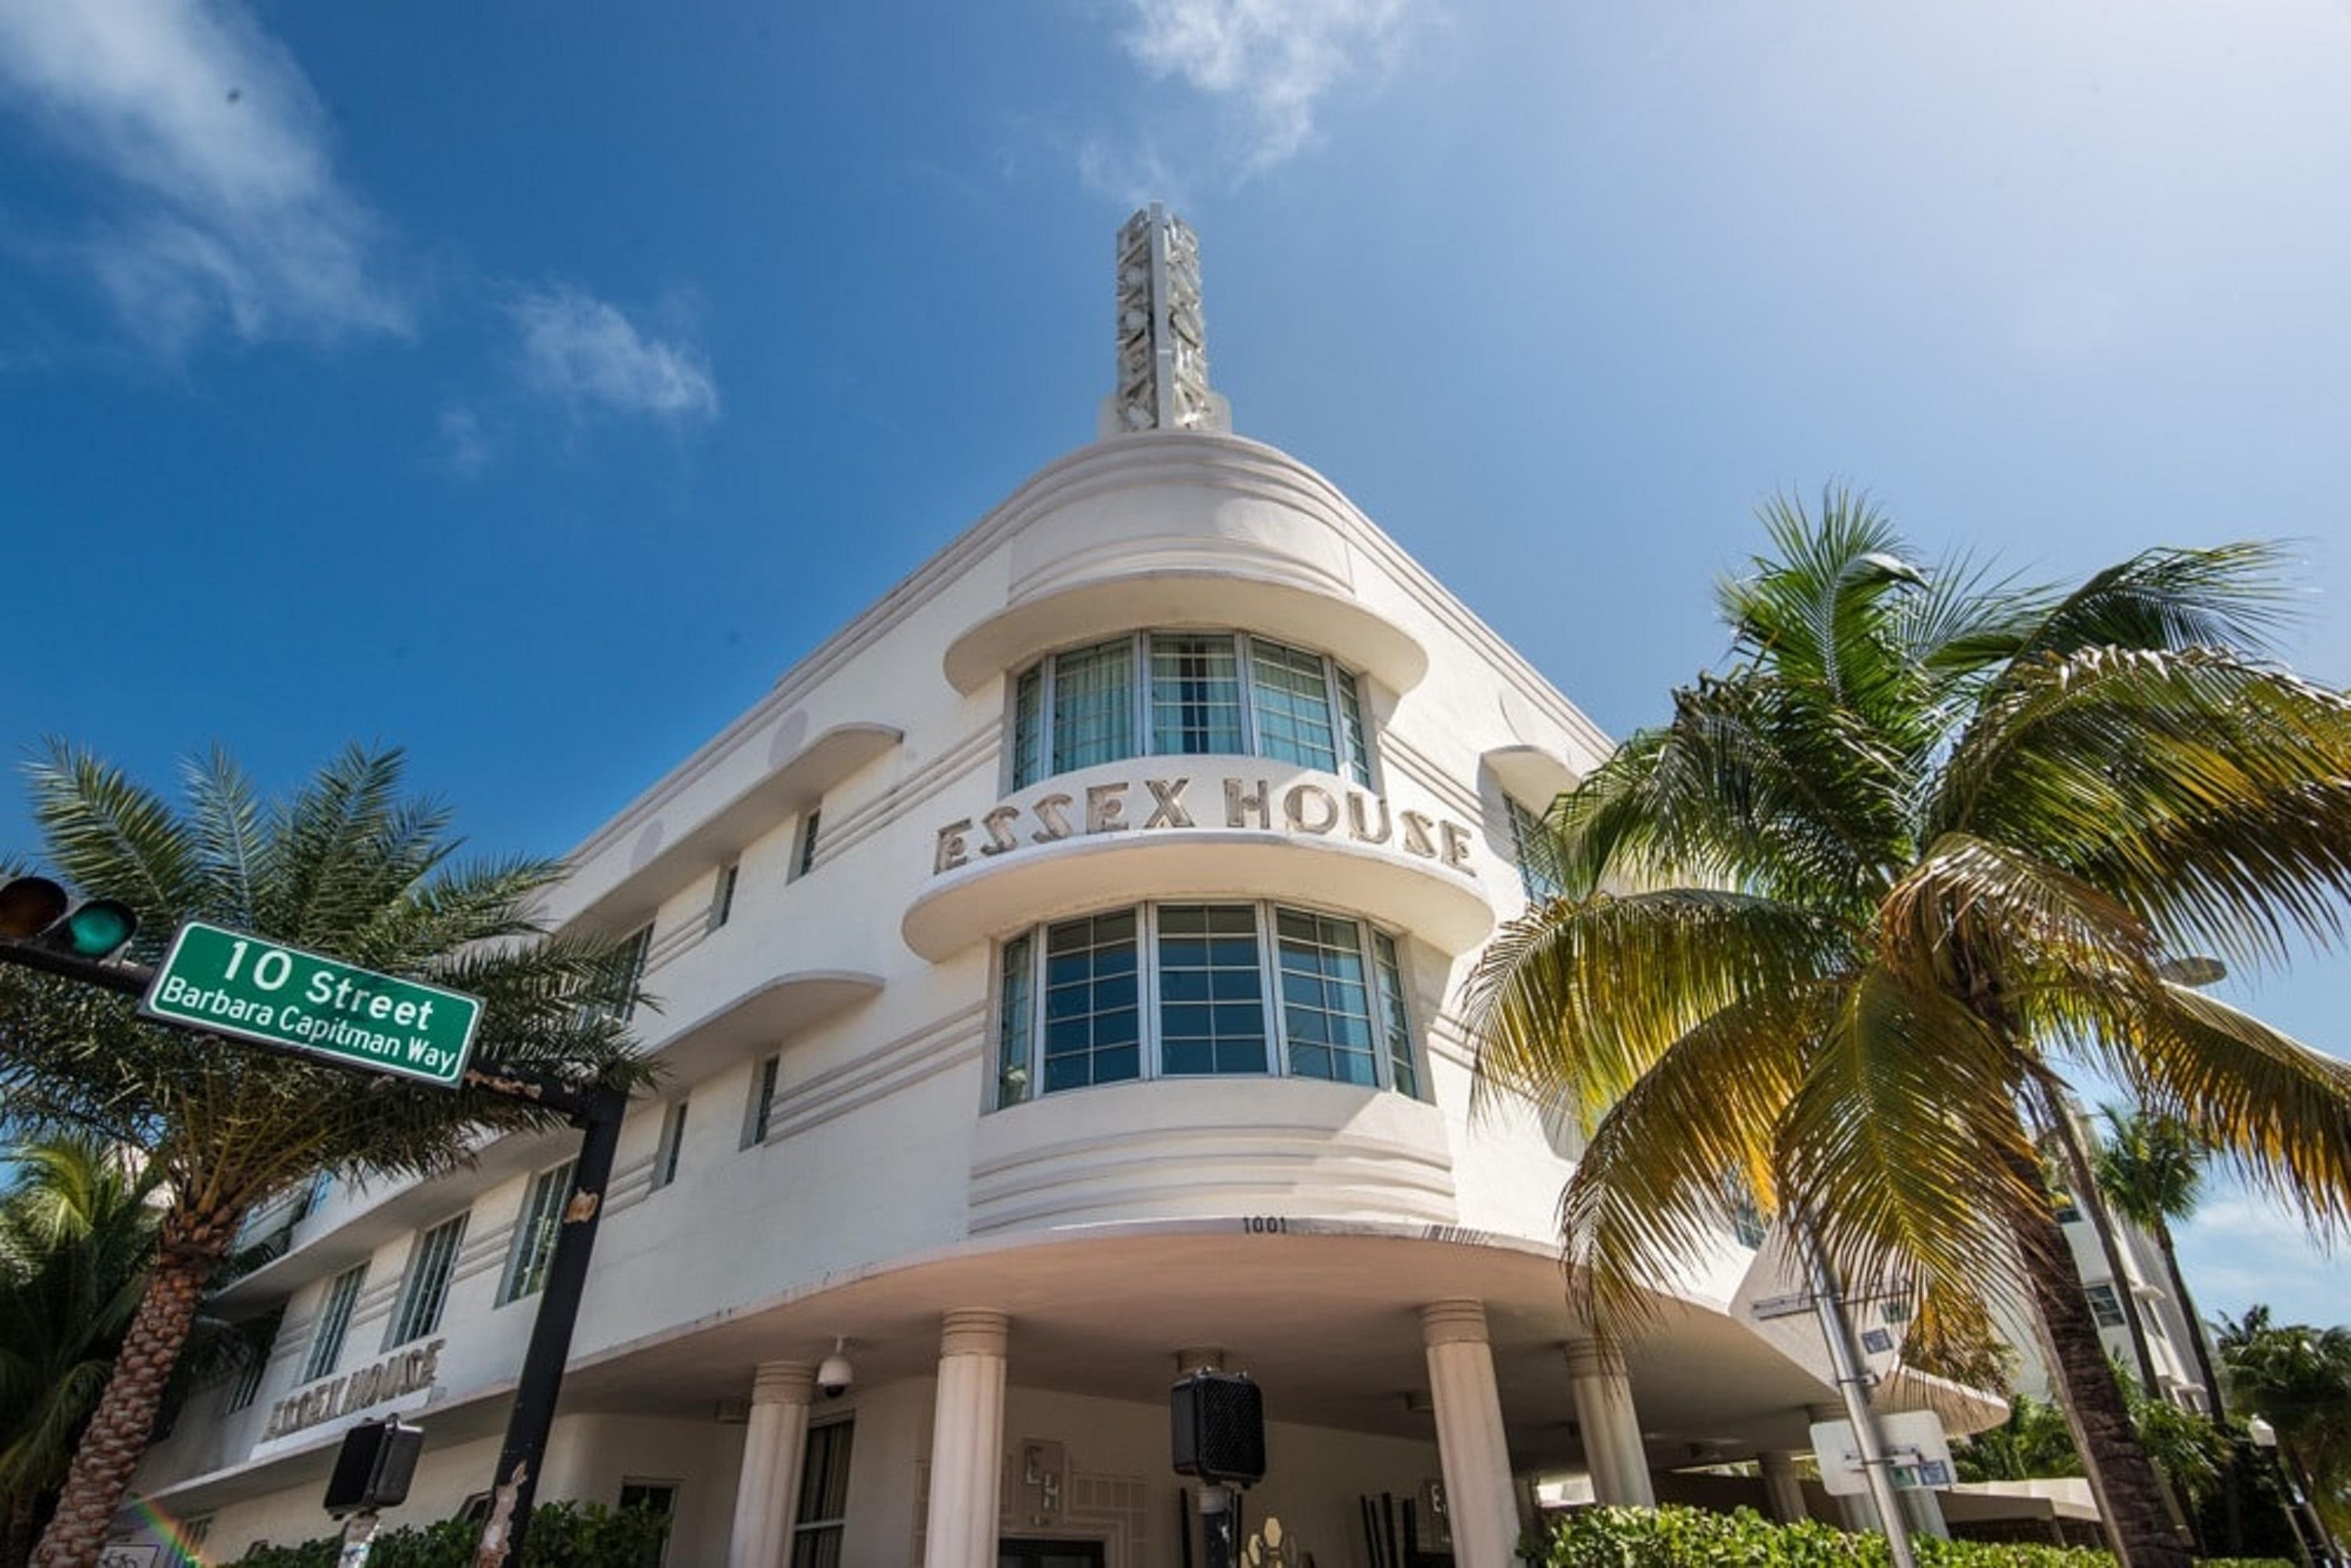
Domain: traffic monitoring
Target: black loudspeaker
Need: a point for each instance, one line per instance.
(1218, 1427)
(375, 1465)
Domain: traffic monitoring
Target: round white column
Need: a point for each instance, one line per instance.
(1611, 1428)
(1470, 1446)
(767, 1490)
(967, 1441)
(1783, 1491)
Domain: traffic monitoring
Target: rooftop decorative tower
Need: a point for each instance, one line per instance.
(1163, 346)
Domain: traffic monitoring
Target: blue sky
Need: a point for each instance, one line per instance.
(531, 384)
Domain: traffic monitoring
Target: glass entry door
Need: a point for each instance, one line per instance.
(1048, 1555)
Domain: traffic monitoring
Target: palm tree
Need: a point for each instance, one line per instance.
(2298, 1379)
(2150, 1170)
(345, 865)
(1839, 927)
(76, 1232)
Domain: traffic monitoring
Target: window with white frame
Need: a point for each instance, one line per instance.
(821, 1516)
(721, 894)
(804, 861)
(536, 1227)
(672, 1139)
(1177, 693)
(425, 1288)
(334, 1323)
(244, 1387)
(658, 1499)
(762, 1109)
(1536, 848)
(2104, 1305)
(1186, 990)
(616, 996)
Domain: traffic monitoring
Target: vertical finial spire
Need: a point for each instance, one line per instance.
(1163, 346)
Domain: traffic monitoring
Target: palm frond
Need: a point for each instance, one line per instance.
(114, 838)
(2220, 596)
(224, 818)
(1660, 1180)
(1902, 1145)
(1571, 1003)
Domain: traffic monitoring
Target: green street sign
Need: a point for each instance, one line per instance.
(235, 983)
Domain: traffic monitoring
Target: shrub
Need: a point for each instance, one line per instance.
(1695, 1538)
(562, 1535)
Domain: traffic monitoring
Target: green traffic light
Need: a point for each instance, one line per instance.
(99, 927)
(29, 905)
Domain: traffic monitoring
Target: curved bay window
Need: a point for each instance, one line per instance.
(1193, 990)
(1176, 693)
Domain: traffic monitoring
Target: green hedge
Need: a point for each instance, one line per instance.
(562, 1535)
(1688, 1537)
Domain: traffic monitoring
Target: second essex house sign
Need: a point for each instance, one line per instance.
(1164, 804)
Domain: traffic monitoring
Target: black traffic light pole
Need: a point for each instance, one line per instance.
(597, 1110)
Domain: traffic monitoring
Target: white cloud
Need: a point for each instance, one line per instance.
(578, 348)
(1272, 62)
(222, 204)
(464, 446)
(2241, 1248)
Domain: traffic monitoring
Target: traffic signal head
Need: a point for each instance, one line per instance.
(35, 909)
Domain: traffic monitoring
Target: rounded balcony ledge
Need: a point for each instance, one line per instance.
(768, 1012)
(1315, 614)
(1169, 1147)
(1197, 826)
(1534, 776)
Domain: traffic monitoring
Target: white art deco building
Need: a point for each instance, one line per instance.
(1058, 973)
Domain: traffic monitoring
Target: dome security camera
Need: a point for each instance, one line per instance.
(834, 1375)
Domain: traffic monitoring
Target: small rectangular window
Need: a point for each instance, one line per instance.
(763, 1102)
(1196, 695)
(672, 1138)
(1211, 990)
(425, 1289)
(2104, 1305)
(1292, 700)
(1029, 727)
(657, 1498)
(1015, 1025)
(334, 1323)
(822, 1516)
(535, 1232)
(1351, 716)
(1326, 1009)
(1094, 1017)
(811, 825)
(722, 896)
(257, 1341)
(1541, 872)
(628, 957)
(1093, 706)
(1404, 1074)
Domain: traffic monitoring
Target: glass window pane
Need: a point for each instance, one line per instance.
(533, 1237)
(1029, 727)
(1093, 1024)
(1015, 1023)
(1231, 1036)
(1351, 713)
(334, 1323)
(1292, 704)
(1330, 1034)
(1540, 871)
(1196, 695)
(431, 1262)
(1093, 706)
(1403, 1075)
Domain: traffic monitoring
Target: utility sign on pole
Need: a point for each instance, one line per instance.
(236, 984)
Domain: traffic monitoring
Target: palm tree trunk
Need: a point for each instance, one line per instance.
(187, 1253)
(2093, 1203)
(2130, 1494)
(2218, 1412)
(16, 1542)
